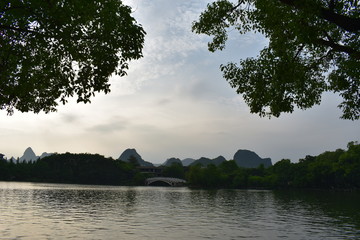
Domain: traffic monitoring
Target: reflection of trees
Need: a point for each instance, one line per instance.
(92, 200)
(130, 196)
(337, 209)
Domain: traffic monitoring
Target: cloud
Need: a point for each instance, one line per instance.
(169, 41)
(70, 117)
(108, 127)
(163, 101)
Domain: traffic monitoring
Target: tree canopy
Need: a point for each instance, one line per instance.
(314, 47)
(55, 49)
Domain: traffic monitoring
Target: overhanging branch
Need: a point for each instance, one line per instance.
(345, 22)
(340, 48)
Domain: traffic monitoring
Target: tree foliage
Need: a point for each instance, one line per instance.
(175, 170)
(52, 50)
(70, 168)
(338, 169)
(314, 47)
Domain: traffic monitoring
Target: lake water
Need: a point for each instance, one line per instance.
(64, 211)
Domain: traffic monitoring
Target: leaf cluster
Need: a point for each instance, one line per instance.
(314, 47)
(53, 50)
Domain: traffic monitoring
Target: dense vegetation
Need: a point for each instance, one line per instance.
(70, 168)
(331, 170)
(339, 169)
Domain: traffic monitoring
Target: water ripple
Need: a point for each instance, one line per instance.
(58, 211)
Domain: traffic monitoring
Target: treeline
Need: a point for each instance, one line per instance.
(71, 168)
(339, 169)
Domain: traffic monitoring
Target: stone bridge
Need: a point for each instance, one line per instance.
(174, 182)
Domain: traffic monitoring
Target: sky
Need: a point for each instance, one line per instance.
(175, 103)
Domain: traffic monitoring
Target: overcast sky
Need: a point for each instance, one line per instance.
(175, 103)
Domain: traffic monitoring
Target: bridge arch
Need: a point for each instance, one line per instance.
(174, 182)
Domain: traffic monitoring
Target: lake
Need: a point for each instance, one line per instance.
(65, 211)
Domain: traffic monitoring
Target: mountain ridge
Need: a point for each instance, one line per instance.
(243, 158)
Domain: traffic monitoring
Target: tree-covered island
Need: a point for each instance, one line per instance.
(339, 169)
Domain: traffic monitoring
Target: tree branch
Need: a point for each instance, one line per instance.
(340, 48)
(345, 22)
(298, 52)
(236, 6)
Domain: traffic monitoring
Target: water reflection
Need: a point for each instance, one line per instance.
(337, 207)
(58, 211)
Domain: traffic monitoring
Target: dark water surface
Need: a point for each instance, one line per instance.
(61, 211)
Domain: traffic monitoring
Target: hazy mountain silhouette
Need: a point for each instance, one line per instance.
(243, 158)
(249, 159)
(28, 156)
(171, 161)
(125, 156)
(206, 161)
(45, 154)
(187, 161)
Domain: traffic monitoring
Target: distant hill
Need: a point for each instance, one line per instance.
(29, 155)
(243, 158)
(125, 156)
(217, 161)
(171, 161)
(187, 161)
(206, 161)
(249, 159)
(45, 154)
